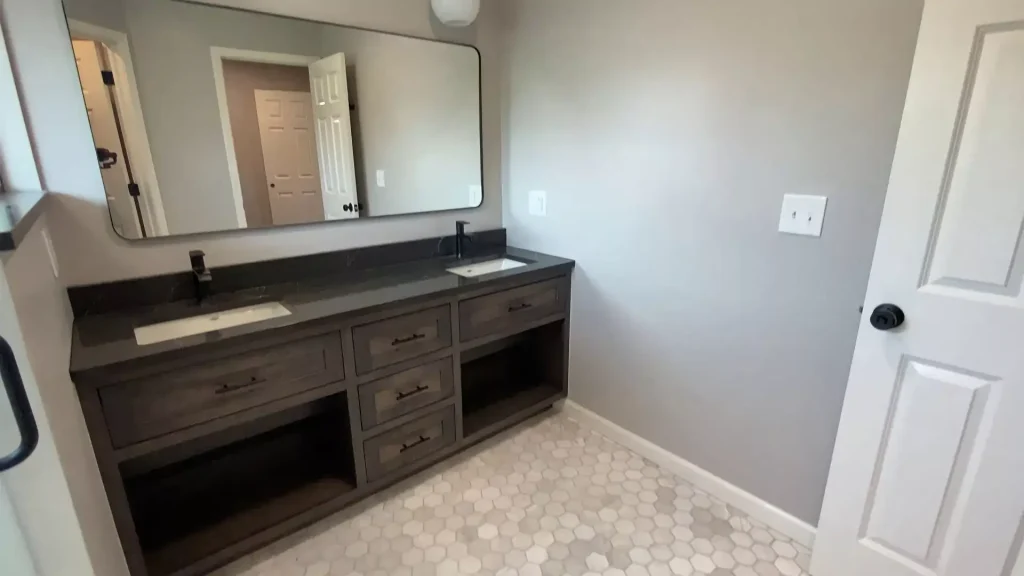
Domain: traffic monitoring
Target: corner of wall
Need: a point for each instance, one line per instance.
(66, 459)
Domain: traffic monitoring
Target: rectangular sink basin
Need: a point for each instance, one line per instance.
(208, 323)
(489, 267)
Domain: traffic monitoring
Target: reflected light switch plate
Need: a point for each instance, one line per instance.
(538, 203)
(476, 195)
(803, 215)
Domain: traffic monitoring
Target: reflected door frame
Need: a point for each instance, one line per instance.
(130, 112)
(219, 55)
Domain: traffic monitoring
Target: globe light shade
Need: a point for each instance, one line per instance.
(457, 13)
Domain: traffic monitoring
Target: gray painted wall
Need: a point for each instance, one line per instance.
(418, 106)
(65, 514)
(171, 50)
(106, 13)
(666, 133)
(87, 247)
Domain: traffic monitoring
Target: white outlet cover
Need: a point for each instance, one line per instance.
(381, 182)
(802, 215)
(50, 252)
(538, 203)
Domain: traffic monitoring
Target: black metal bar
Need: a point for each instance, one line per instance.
(20, 407)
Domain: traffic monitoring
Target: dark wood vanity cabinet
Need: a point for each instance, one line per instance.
(209, 454)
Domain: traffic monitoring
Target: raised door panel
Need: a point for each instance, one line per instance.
(976, 243)
(288, 141)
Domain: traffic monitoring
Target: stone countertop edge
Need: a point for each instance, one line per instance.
(108, 340)
(18, 213)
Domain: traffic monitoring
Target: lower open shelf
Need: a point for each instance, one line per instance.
(205, 541)
(491, 414)
(506, 377)
(193, 508)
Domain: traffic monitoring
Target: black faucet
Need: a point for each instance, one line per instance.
(460, 238)
(201, 275)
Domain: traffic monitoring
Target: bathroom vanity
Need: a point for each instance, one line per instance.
(214, 444)
(233, 406)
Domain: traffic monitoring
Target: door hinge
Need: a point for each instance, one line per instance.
(133, 190)
(108, 77)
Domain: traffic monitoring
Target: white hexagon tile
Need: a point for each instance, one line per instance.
(548, 499)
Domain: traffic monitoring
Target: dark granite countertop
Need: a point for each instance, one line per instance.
(18, 212)
(104, 340)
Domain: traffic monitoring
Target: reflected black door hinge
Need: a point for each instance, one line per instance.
(108, 77)
(133, 190)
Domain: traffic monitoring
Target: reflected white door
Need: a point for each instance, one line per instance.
(104, 133)
(334, 137)
(289, 156)
(928, 472)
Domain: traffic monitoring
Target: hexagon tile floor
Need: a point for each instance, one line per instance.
(548, 499)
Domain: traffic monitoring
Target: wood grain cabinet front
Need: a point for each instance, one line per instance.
(137, 410)
(384, 400)
(511, 309)
(393, 340)
(408, 444)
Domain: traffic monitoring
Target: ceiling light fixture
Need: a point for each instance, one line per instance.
(457, 13)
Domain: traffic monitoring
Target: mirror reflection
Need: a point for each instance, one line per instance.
(209, 119)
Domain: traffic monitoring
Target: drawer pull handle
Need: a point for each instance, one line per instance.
(518, 307)
(417, 390)
(415, 443)
(229, 388)
(412, 338)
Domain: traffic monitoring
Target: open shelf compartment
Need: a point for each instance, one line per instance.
(192, 507)
(504, 378)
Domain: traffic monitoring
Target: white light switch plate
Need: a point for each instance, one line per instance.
(49, 251)
(381, 182)
(538, 203)
(803, 215)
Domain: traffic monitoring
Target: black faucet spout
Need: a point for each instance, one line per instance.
(201, 275)
(460, 238)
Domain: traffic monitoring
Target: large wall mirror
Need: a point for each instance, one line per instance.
(209, 119)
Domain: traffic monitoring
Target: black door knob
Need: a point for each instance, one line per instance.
(887, 317)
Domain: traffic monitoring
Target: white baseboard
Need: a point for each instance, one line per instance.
(757, 508)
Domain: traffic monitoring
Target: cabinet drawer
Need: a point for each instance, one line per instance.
(506, 310)
(408, 444)
(388, 398)
(141, 409)
(396, 339)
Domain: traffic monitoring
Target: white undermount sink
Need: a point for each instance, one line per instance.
(208, 323)
(489, 267)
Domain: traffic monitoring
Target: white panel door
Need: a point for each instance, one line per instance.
(104, 132)
(334, 137)
(928, 472)
(289, 156)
